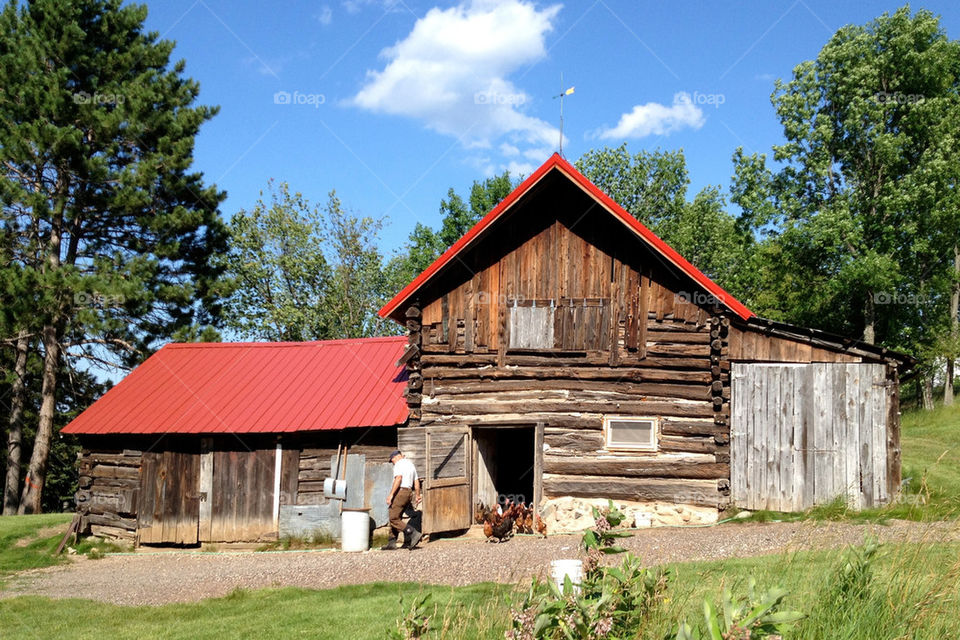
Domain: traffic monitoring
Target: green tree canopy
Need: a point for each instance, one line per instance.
(101, 211)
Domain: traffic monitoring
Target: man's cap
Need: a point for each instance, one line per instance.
(394, 454)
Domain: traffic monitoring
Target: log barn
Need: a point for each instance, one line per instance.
(231, 442)
(560, 352)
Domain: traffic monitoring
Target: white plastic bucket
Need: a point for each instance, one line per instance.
(560, 569)
(355, 530)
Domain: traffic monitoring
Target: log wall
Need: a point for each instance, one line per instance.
(109, 488)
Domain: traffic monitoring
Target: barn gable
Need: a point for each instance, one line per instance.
(557, 204)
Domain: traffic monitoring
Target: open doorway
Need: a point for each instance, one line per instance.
(504, 468)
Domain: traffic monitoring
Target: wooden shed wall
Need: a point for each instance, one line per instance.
(109, 498)
(754, 345)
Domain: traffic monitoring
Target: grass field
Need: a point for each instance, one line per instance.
(913, 594)
(28, 542)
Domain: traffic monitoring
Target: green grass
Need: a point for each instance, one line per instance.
(913, 594)
(930, 444)
(354, 612)
(22, 548)
(30, 542)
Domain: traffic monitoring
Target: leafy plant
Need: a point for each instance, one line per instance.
(741, 618)
(415, 623)
(608, 602)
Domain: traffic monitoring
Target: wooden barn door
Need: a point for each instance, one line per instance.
(447, 492)
(169, 508)
(805, 434)
(242, 491)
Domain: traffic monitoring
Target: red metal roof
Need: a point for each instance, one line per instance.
(255, 387)
(557, 163)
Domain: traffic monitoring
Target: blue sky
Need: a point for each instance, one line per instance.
(392, 102)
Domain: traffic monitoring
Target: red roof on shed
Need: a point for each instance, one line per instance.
(557, 163)
(255, 387)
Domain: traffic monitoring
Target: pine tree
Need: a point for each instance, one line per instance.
(97, 132)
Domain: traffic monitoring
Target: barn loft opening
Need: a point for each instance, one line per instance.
(504, 465)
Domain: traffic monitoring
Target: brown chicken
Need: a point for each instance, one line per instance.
(541, 527)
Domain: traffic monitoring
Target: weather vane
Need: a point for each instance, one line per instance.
(563, 93)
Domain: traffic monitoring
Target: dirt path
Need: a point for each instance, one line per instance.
(163, 577)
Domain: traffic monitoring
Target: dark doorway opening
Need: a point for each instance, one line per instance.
(504, 468)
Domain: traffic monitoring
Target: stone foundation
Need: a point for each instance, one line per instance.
(571, 515)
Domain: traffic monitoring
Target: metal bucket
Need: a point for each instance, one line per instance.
(333, 488)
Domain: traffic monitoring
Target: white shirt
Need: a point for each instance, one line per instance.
(407, 472)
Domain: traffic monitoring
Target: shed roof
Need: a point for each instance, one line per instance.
(255, 387)
(557, 164)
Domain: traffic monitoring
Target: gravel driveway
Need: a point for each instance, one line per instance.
(176, 576)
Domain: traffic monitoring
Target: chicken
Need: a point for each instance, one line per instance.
(481, 513)
(528, 522)
(488, 528)
(541, 527)
(503, 530)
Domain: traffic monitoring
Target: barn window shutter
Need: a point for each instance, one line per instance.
(531, 327)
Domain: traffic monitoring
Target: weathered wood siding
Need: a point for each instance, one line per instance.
(560, 318)
(169, 509)
(242, 494)
(753, 345)
(806, 434)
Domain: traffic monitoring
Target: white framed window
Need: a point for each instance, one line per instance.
(630, 434)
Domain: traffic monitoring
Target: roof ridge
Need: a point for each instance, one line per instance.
(272, 345)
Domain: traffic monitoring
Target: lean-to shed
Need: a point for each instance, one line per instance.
(561, 353)
(228, 442)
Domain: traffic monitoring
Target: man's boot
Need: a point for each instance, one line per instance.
(391, 544)
(411, 537)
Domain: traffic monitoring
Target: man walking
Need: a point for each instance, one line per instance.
(404, 492)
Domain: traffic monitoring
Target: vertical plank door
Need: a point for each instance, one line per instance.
(447, 490)
(243, 493)
(169, 510)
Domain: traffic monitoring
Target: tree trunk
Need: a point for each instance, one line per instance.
(869, 319)
(928, 391)
(37, 471)
(11, 489)
(954, 327)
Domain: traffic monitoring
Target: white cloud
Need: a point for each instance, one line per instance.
(325, 16)
(656, 119)
(451, 72)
